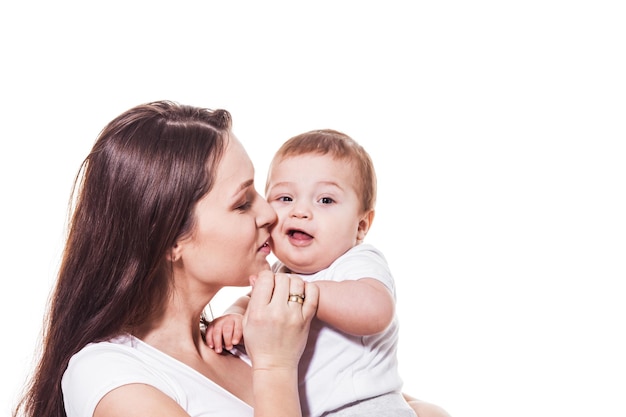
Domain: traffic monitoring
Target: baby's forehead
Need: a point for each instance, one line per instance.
(327, 154)
(343, 173)
(327, 165)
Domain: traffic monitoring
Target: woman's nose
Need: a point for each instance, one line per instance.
(267, 216)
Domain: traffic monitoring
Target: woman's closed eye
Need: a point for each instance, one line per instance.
(244, 206)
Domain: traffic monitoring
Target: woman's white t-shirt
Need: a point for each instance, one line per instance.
(101, 367)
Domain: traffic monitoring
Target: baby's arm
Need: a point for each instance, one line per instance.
(358, 307)
(226, 331)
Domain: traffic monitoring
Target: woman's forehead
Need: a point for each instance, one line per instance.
(235, 167)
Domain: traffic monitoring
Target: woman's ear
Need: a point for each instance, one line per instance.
(175, 253)
(364, 225)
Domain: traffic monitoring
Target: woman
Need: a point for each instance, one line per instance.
(165, 215)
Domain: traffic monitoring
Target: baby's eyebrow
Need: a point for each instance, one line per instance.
(280, 184)
(331, 184)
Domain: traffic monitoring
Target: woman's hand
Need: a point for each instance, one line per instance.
(276, 329)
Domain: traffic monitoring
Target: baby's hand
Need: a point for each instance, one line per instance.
(225, 332)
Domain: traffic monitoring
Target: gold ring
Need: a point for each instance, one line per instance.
(298, 298)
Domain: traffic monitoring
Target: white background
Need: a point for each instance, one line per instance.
(497, 129)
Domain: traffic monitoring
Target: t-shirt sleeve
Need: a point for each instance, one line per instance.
(363, 261)
(100, 368)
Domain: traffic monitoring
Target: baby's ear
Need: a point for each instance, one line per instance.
(364, 225)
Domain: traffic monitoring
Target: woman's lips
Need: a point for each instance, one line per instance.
(265, 248)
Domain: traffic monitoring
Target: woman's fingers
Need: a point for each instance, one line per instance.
(303, 295)
(311, 299)
(276, 329)
(296, 290)
(262, 289)
(278, 288)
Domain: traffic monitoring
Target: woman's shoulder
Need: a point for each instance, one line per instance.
(118, 348)
(100, 367)
(103, 366)
(117, 359)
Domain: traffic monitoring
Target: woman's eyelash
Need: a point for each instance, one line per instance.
(245, 206)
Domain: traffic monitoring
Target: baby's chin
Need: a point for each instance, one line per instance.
(305, 269)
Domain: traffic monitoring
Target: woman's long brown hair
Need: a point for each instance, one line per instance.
(133, 198)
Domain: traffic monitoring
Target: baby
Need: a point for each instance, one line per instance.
(322, 185)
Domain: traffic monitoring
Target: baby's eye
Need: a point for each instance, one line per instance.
(284, 199)
(326, 200)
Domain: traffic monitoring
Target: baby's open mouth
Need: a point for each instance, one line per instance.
(299, 234)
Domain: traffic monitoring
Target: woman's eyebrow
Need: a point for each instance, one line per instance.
(244, 185)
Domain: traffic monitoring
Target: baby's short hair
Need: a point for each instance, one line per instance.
(339, 146)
